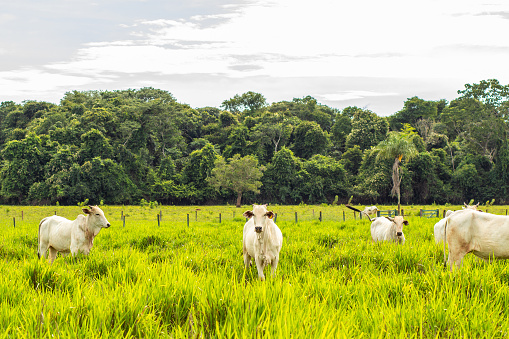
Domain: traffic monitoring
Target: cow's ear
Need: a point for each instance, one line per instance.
(248, 214)
(405, 222)
(270, 214)
(87, 211)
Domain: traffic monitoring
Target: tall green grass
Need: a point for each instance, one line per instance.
(176, 281)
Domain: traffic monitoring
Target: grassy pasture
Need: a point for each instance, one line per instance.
(175, 281)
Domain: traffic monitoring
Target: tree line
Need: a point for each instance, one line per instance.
(119, 147)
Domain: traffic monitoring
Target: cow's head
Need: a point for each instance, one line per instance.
(471, 207)
(260, 216)
(96, 217)
(398, 221)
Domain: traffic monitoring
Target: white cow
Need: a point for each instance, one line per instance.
(262, 239)
(368, 210)
(438, 229)
(484, 234)
(58, 234)
(386, 228)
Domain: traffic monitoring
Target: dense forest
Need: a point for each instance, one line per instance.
(127, 146)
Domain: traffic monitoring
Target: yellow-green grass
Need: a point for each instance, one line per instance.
(175, 281)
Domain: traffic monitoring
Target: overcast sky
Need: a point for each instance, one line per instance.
(367, 53)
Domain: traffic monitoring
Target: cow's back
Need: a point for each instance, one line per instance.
(278, 235)
(379, 228)
(248, 237)
(438, 230)
(58, 232)
(485, 234)
(248, 226)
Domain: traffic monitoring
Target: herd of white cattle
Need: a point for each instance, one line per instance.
(468, 230)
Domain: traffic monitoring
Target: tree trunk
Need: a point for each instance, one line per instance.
(396, 181)
(239, 198)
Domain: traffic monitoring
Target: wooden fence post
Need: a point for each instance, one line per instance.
(320, 216)
(14, 221)
(123, 220)
(420, 212)
(344, 219)
(219, 217)
(158, 220)
(295, 217)
(188, 219)
(275, 218)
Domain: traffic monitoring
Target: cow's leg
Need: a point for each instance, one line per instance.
(259, 267)
(52, 254)
(274, 265)
(455, 257)
(43, 249)
(247, 260)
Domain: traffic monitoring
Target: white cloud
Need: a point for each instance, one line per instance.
(282, 39)
(352, 95)
(297, 38)
(38, 84)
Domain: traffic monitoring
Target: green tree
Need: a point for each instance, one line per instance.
(197, 169)
(239, 175)
(280, 179)
(274, 128)
(414, 109)
(309, 139)
(396, 146)
(237, 142)
(24, 165)
(340, 130)
(307, 109)
(373, 180)
(352, 160)
(491, 93)
(94, 144)
(368, 129)
(250, 101)
(325, 178)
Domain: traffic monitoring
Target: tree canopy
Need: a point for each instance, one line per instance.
(124, 146)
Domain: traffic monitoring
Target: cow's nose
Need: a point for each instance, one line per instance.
(108, 225)
(258, 229)
(399, 234)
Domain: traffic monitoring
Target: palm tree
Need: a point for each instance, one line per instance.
(396, 146)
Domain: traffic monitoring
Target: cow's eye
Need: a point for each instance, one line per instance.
(97, 214)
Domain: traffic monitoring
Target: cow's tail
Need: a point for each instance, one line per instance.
(39, 238)
(357, 210)
(445, 240)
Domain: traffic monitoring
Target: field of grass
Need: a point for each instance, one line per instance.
(180, 281)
